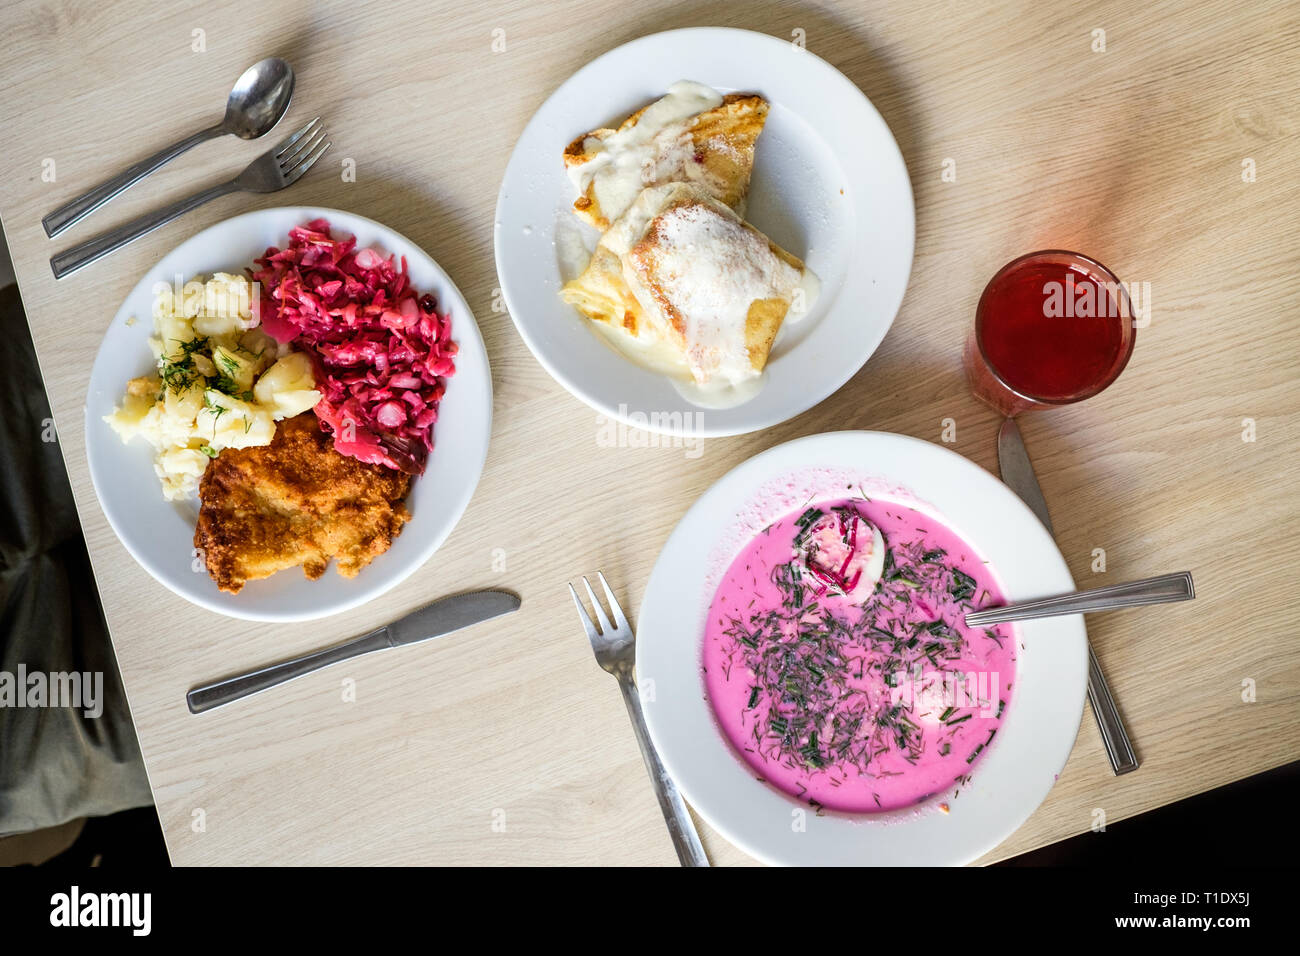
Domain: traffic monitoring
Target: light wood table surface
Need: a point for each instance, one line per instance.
(1134, 155)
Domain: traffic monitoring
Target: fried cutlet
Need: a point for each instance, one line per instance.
(294, 502)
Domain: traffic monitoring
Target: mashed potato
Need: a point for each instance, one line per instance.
(221, 382)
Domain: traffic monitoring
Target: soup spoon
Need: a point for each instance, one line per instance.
(257, 102)
(1164, 589)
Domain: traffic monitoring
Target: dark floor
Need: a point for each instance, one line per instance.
(1248, 823)
(132, 838)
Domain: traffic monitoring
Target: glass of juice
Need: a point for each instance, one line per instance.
(1051, 328)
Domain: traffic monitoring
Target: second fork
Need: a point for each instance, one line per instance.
(614, 644)
(275, 169)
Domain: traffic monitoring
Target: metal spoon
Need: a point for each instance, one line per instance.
(260, 97)
(1162, 590)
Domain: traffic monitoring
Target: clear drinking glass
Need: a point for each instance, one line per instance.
(1051, 328)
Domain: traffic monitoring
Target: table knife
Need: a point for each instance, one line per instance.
(433, 620)
(1018, 473)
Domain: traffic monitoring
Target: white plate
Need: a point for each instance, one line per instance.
(160, 534)
(1019, 767)
(829, 185)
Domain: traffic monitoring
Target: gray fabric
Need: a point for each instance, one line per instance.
(56, 764)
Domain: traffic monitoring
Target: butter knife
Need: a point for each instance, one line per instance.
(1018, 473)
(433, 620)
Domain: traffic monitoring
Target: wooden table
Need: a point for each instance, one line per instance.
(507, 744)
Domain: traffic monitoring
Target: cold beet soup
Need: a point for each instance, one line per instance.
(838, 663)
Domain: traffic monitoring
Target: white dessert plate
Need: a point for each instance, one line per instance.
(829, 185)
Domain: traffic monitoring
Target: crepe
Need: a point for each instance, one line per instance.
(602, 296)
(683, 267)
(692, 134)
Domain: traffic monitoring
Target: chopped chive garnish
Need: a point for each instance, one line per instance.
(805, 654)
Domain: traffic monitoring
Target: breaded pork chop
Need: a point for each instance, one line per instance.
(294, 502)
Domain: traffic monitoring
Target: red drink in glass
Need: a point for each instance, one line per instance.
(1051, 328)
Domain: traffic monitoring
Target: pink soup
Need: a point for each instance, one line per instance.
(838, 663)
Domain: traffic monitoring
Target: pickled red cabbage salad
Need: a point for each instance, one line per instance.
(382, 352)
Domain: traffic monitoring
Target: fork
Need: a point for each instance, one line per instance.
(614, 645)
(275, 169)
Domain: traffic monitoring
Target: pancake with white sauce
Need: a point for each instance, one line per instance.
(706, 282)
(693, 134)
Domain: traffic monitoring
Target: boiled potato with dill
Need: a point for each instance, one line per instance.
(228, 422)
(288, 386)
(221, 382)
